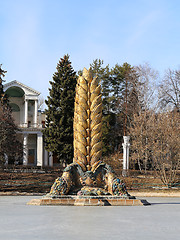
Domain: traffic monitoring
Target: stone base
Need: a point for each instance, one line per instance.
(89, 201)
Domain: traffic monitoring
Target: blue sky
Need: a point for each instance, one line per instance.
(36, 33)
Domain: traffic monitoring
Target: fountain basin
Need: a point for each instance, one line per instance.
(73, 200)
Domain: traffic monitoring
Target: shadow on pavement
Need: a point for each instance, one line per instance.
(165, 203)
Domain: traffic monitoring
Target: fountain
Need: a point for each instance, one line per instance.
(88, 181)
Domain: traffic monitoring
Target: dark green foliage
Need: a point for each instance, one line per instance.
(58, 132)
(108, 133)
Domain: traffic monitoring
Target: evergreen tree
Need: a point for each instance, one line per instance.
(58, 130)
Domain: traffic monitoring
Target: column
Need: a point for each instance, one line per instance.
(35, 113)
(25, 149)
(40, 149)
(46, 155)
(26, 113)
(126, 146)
(51, 159)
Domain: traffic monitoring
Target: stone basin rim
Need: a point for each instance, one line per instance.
(87, 197)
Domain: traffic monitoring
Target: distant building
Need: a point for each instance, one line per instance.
(30, 120)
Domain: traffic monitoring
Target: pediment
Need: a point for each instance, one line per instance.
(28, 91)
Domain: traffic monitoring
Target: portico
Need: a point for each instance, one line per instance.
(30, 111)
(24, 104)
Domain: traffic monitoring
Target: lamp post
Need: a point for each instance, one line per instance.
(126, 146)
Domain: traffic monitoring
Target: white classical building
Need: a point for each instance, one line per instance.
(24, 104)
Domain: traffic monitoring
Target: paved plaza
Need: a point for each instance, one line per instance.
(19, 221)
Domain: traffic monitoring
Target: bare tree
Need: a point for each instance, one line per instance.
(41, 102)
(147, 87)
(169, 90)
(165, 137)
(10, 146)
(140, 140)
(140, 125)
(155, 140)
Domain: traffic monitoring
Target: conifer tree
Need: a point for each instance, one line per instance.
(58, 132)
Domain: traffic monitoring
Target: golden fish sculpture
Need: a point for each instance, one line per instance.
(88, 175)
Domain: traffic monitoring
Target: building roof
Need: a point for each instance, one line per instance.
(25, 88)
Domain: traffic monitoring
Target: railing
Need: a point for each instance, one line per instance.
(31, 125)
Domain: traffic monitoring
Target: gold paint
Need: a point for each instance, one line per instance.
(88, 120)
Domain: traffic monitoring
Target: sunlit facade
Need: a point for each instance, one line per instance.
(30, 120)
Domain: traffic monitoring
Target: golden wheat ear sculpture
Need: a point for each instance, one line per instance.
(88, 175)
(88, 121)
